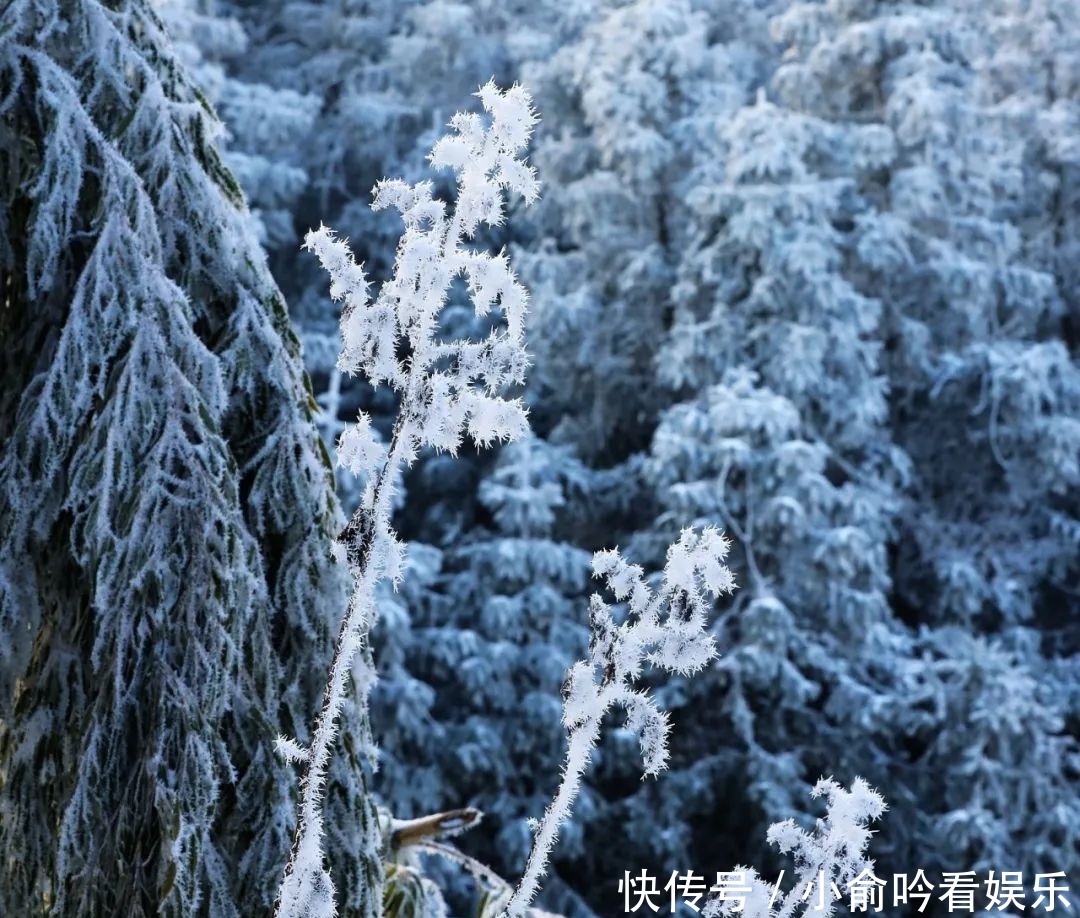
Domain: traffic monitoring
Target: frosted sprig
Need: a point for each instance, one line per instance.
(447, 390)
(665, 627)
(833, 854)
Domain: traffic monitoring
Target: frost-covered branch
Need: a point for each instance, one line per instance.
(446, 389)
(666, 629)
(827, 860)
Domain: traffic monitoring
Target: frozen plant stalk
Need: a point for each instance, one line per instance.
(446, 389)
(666, 629)
(830, 859)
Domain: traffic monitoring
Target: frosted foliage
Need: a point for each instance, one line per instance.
(805, 270)
(639, 88)
(446, 388)
(665, 628)
(148, 369)
(901, 221)
(976, 224)
(528, 487)
(833, 854)
(263, 121)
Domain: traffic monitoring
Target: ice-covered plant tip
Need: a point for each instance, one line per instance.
(664, 627)
(446, 389)
(830, 862)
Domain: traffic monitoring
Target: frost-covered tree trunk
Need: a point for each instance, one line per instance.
(165, 503)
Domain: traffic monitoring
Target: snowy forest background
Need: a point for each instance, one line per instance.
(805, 271)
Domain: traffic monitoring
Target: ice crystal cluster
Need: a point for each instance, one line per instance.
(829, 859)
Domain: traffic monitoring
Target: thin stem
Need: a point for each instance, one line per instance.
(351, 636)
(361, 538)
(582, 740)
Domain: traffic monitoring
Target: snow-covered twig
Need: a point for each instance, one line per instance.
(831, 858)
(406, 832)
(666, 629)
(446, 389)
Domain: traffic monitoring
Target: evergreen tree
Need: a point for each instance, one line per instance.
(784, 443)
(978, 363)
(633, 89)
(961, 241)
(167, 505)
